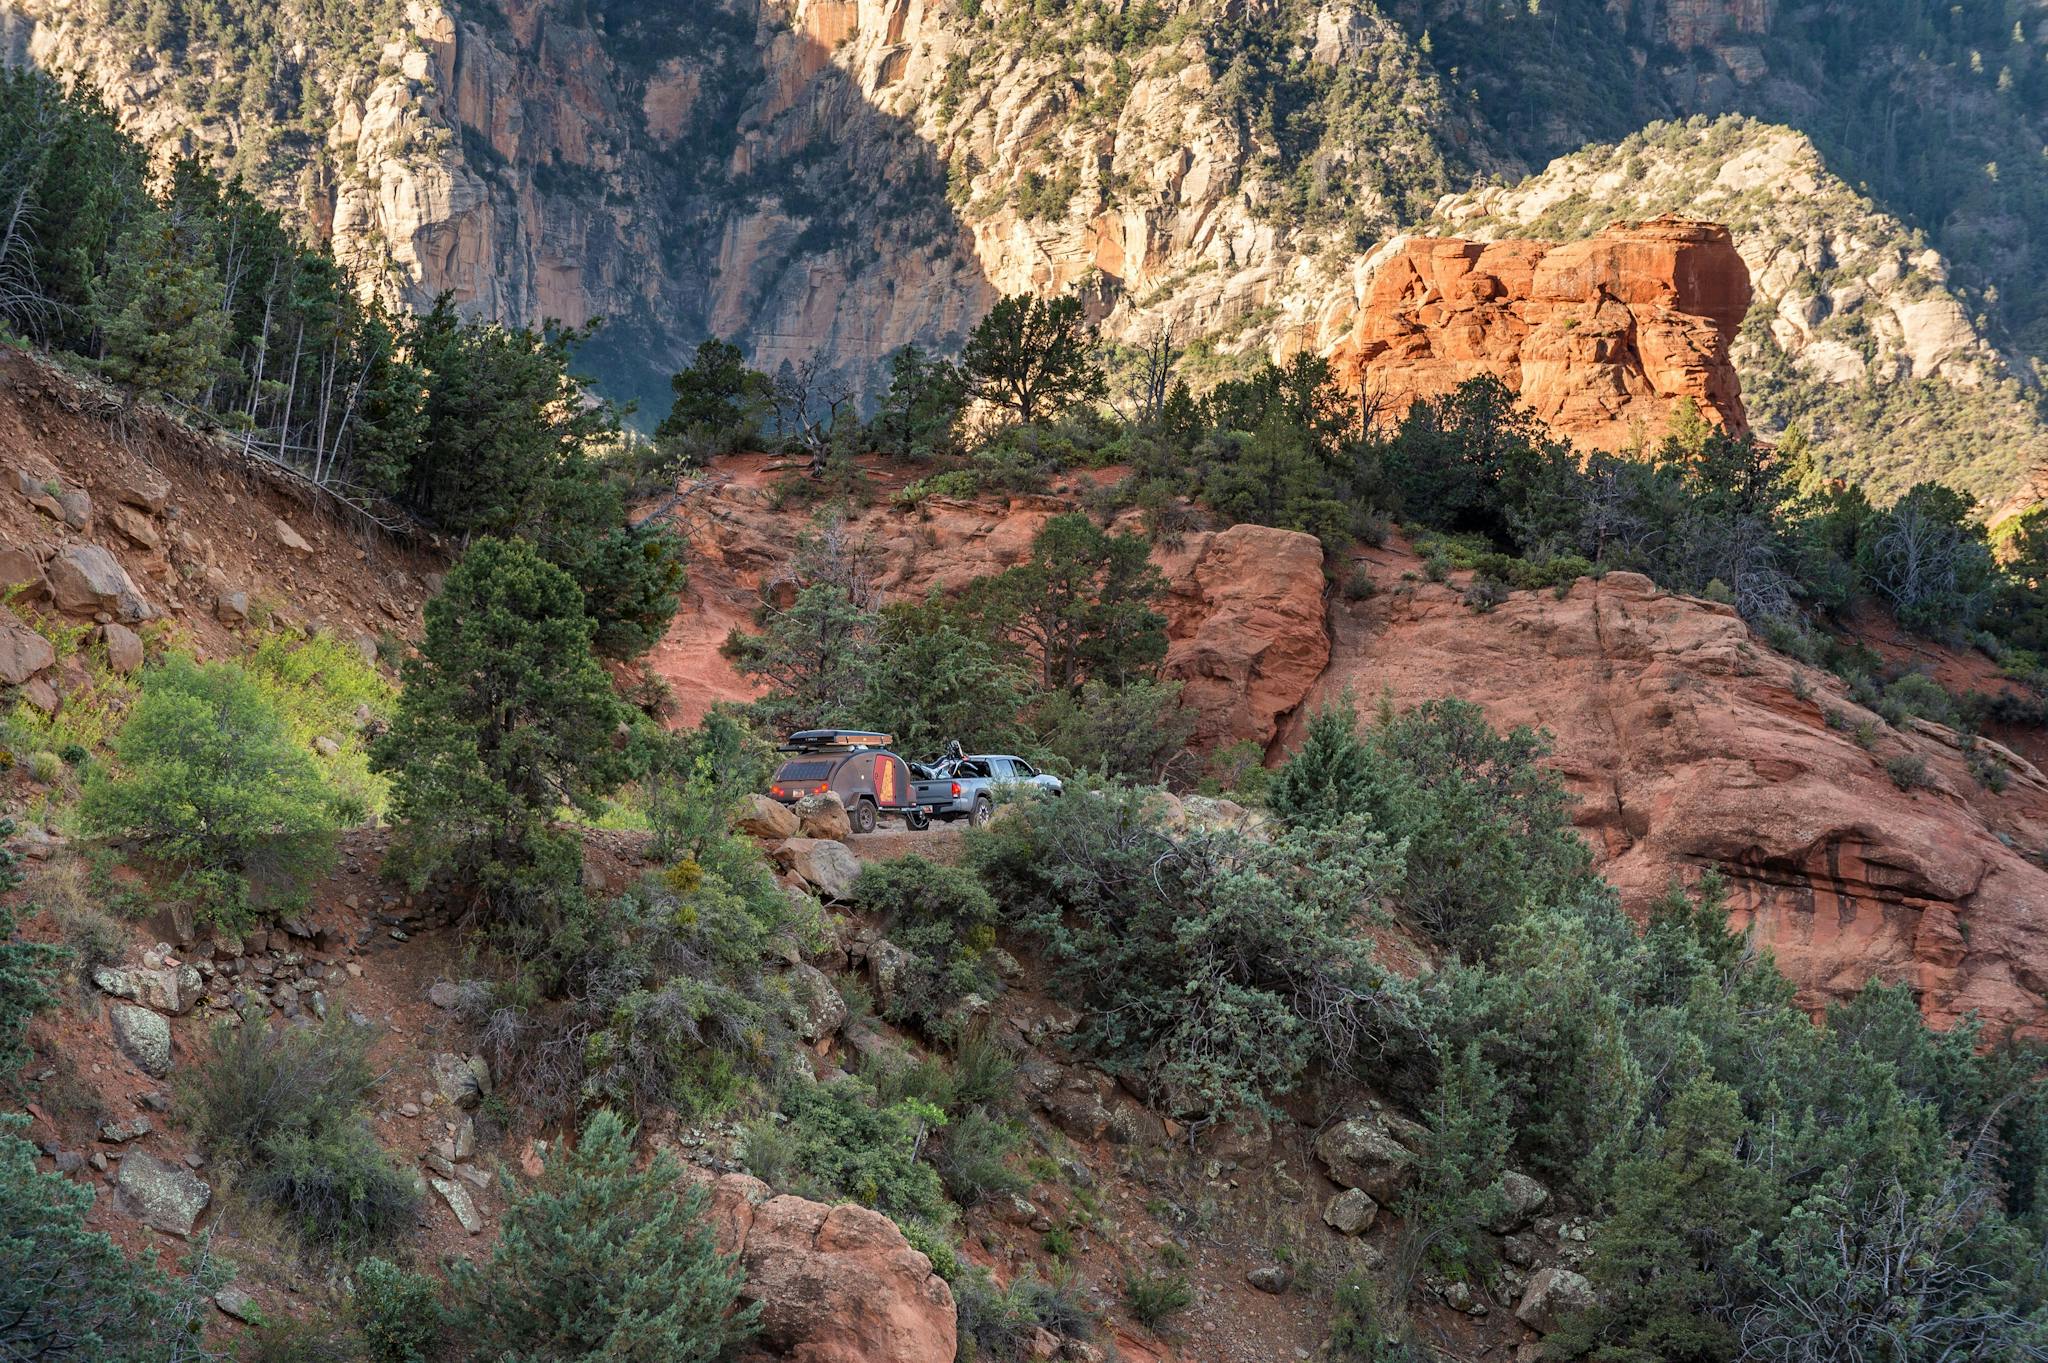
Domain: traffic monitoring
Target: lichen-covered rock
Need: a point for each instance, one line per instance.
(824, 864)
(1522, 1199)
(1351, 1212)
(820, 1011)
(167, 1197)
(1552, 1296)
(143, 1037)
(823, 815)
(1360, 1154)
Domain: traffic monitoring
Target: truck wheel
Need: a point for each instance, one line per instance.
(984, 810)
(862, 815)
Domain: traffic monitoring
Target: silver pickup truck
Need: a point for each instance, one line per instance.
(965, 787)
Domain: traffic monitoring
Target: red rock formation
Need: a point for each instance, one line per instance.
(1691, 748)
(835, 1284)
(1244, 606)
(1601, 338)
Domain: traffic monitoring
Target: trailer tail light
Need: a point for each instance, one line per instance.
(776, 791)
(956, 790)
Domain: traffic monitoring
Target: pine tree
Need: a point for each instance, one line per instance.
(598, 1262)
(1035, 356)
(506, 717)
(159, 311)
(1325, 780)
(1680, 1213)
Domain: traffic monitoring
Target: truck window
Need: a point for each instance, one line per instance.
(972, 770)
(1002, 768)
(1021, 769)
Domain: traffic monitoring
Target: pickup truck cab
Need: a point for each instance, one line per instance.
(854, 764)
(965, 787)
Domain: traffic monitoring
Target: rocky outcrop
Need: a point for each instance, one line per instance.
(1692, 747)
(1601, 338)
(835, 1284)
(1244, 605)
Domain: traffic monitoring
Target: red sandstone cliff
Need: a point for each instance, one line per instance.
(1601, 338)
(1690, 745)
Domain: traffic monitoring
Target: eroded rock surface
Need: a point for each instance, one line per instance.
(1601, 338)
(836, 1284)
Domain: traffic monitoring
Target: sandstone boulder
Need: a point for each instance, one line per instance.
(1360, 1154)
(143, 1037)
(163, 1196)
(823, 816)
(761, 817)
(23, 652)
(835, 1284)
(19, 567)
(85, 579)
(136, 485)
(124, 647)
(1553, 1296)
(1523, 1198)
(462, 1080)
(824, 864)
(1351, 1212)
(819, 1009)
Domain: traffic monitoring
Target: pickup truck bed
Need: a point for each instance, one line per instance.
(967, 788)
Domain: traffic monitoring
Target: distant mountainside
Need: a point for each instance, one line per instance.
(842, 177)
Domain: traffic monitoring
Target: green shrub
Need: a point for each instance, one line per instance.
(601, 1263)
(26, 972)
(398, 1314)
(211, 786)
(838, 1142)
(45, 768)
(945, 919)
(973, 1158)
(1907, 770)
(1153, 1299)
(1211, 967)
(282, 1109)
(68, 1294)
(1363, 1329)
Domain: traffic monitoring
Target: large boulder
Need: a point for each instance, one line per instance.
(1522, 1198)
(85, 579)
(23, 652)
(1360, 1154)
(136, 485)
(164, 1196)
(1552, 1297)
(817, 1005)
(1351, 1212)
(143, 1037)
(835, 1284)
(824, 864)
(823, 816)
(762, 817)
(172, 989)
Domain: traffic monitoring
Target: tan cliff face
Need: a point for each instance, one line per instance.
(1602, 339)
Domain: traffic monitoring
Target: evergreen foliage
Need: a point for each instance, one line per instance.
(1033, 356)
(506, 718)
(600, 1263)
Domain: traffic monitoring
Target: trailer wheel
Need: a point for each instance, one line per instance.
(862, 815)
